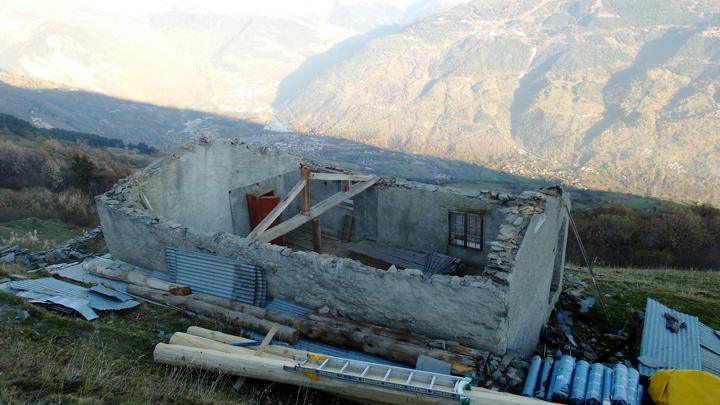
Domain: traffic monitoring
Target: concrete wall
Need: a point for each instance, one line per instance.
(192, 187)
(529, 298)
(501, 310)
(465, 309)
(417, 218)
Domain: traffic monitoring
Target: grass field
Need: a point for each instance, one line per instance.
(53, 358)
(36, 234)
(47, 357)
(694, 292)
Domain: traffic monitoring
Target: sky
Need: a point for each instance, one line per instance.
(293, 7)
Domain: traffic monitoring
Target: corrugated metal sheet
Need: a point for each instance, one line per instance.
(109, 292)
(219, 276)
(288, 308)
(710, 349)
(78, 272)
(53, 287)
(664, 349)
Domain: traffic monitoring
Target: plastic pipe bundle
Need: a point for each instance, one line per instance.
(620, 385)
(632, 384)
(551, 382)
(579, 383)
(563, 378)
(532, 377)
(607, 384)
(544, 381)
(593, 393)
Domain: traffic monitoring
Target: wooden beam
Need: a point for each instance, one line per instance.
(316, 235)
(316, 210)
(340, 177)
(268, 220)
(268, 338)
(305, 174)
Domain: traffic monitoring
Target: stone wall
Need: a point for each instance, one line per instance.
(463, 309)
(502, 309)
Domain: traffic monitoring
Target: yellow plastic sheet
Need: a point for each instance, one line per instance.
(684, 387)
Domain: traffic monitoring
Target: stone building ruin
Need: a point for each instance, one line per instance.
(510, 248)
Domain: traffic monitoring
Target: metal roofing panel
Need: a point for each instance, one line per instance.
(288, 308)
(60, 303)
(78, 272)
(54, 287)
(219, 276)
(665, 349)
(710, 349)
(109, 292)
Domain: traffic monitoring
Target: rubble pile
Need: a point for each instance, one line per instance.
(87, 245)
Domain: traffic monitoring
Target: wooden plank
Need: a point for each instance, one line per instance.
(268, 220)
(305, 173)
(268, 338)
(316, 210)
(340, 177)
(316, 235)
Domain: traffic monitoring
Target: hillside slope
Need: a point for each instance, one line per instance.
(607, 94)
(54, 174)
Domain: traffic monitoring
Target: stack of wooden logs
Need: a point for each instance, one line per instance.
(386, 343)
(216, 351)
(389, 344)
(210, 350)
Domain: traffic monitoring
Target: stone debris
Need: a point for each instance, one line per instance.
(76, 249)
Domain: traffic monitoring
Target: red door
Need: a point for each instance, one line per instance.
(260, 204)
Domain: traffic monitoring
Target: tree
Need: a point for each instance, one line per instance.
(85, 171)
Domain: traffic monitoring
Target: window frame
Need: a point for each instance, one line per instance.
(476, 244)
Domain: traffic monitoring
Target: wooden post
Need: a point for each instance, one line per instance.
(345, 185)
(305, 173)
(316, 235)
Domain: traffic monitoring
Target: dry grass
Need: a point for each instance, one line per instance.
(694, 292)
(52, 358)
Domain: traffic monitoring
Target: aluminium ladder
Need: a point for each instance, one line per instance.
(397, 378)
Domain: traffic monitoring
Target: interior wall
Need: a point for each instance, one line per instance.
(193, 187)
(417, 218)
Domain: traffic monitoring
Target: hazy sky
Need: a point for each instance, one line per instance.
(293, 7)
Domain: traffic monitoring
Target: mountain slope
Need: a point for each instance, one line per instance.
(608, 94)
(222, 58)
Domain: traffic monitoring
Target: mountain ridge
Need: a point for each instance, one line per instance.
(606, 94)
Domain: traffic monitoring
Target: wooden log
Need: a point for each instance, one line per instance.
(272, 369)
(284, 333)
(278, 350)
(140, 279)
(382, 346)
(185, 339)
(402, 336)
(362, 338)
(248, 309)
